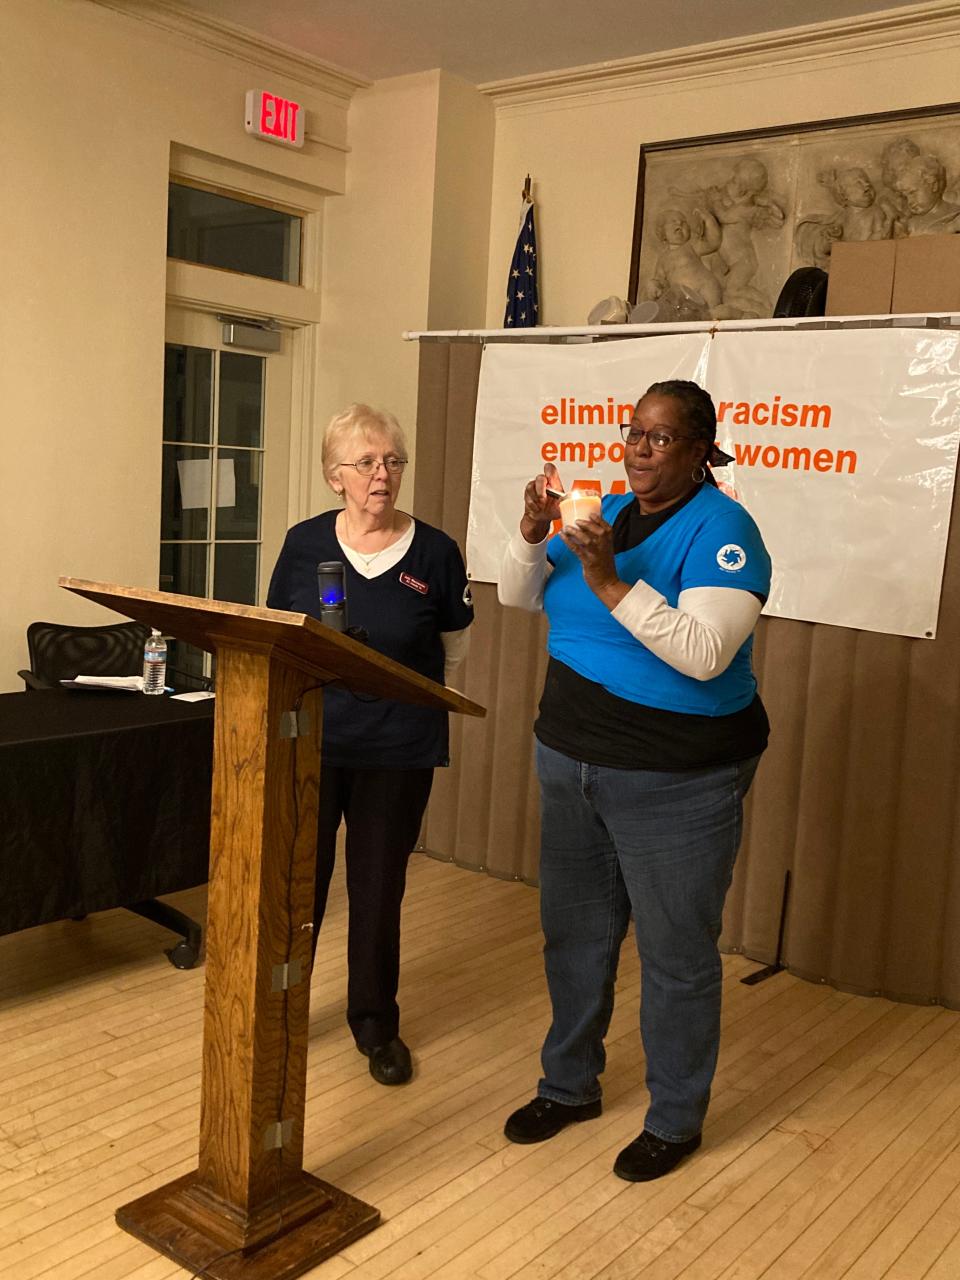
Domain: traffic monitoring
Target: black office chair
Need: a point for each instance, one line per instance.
(804, 293)
(59, 652)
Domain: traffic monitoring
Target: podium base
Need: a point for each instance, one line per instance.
(166, 1219)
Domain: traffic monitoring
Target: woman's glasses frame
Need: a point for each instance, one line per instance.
(659, 440)
(367, 466)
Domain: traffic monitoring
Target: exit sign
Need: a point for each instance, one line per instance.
(273, 118)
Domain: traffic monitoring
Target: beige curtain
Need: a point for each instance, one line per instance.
(856, 796)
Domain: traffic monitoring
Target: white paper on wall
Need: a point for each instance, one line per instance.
(194, 477)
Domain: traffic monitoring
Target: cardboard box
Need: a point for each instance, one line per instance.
(894, 277)
(927, 274)
(861, 278)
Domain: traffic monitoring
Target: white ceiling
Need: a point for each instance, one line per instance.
(483, 40)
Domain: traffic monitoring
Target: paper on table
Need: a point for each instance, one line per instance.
(198, 695)
(109, 682)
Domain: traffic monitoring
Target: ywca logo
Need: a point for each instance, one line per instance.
(731, 557)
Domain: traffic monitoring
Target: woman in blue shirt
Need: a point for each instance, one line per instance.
(649, 734)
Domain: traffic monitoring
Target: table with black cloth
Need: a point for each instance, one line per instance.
(104, 802)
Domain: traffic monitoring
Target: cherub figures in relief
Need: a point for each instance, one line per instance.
(680, 279)
(921, 182)
(860, 216)
(741, 206)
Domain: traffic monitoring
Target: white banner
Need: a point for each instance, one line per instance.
(559, 404)
(845, 444)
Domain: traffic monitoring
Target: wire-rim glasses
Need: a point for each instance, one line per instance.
(367, 466)
(659, 440)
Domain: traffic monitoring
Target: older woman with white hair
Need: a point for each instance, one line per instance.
(407, 588)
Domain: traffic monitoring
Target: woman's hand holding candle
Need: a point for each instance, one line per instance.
(591, 541)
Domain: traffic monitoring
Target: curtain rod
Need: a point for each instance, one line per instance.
(547, 333)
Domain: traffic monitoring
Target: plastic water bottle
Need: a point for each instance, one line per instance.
(155, 663)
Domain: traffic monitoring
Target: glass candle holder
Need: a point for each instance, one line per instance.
(579, 505)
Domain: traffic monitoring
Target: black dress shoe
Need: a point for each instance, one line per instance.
(649, 1157)
(541, 1119)
(390, 1063)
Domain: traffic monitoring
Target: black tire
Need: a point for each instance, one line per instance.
(803, 294)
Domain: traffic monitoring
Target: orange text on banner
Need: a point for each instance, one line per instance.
(792, 458)
(568, 411)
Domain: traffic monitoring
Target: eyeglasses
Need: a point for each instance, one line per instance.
(659, 440)
(367, 466)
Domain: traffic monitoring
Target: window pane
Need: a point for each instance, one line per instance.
(185, 666)
(187, 393)
(183, 568)
(238, 494)
(217, 231)
(185, 492)
(235, 572)
(241, 399)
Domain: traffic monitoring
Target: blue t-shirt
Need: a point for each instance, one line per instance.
(711, 542)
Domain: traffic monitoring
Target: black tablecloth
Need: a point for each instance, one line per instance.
(104, 801)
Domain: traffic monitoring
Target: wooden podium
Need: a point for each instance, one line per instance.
(250, 1211)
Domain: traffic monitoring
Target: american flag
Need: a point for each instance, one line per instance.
(522, 294)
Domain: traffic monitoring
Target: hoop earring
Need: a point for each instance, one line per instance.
(699, 479)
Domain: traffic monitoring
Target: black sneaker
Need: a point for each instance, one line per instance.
(648, 1157)
(541, 1119)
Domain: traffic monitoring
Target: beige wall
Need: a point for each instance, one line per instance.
(406, 248)
(583, 152)
(376, 258)
(461, 213)
(90, 102)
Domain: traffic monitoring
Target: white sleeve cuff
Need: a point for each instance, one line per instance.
(701, 636)
(523, 571)
(455, 646)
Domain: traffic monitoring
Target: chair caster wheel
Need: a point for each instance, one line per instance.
(182, 956)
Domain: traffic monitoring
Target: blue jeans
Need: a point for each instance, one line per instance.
(661, 845)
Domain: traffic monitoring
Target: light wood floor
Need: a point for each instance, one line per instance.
(832, 1147)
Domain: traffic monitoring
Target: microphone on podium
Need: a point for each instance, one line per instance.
(333, 594)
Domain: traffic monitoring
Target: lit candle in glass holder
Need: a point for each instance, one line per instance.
(579, 504)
